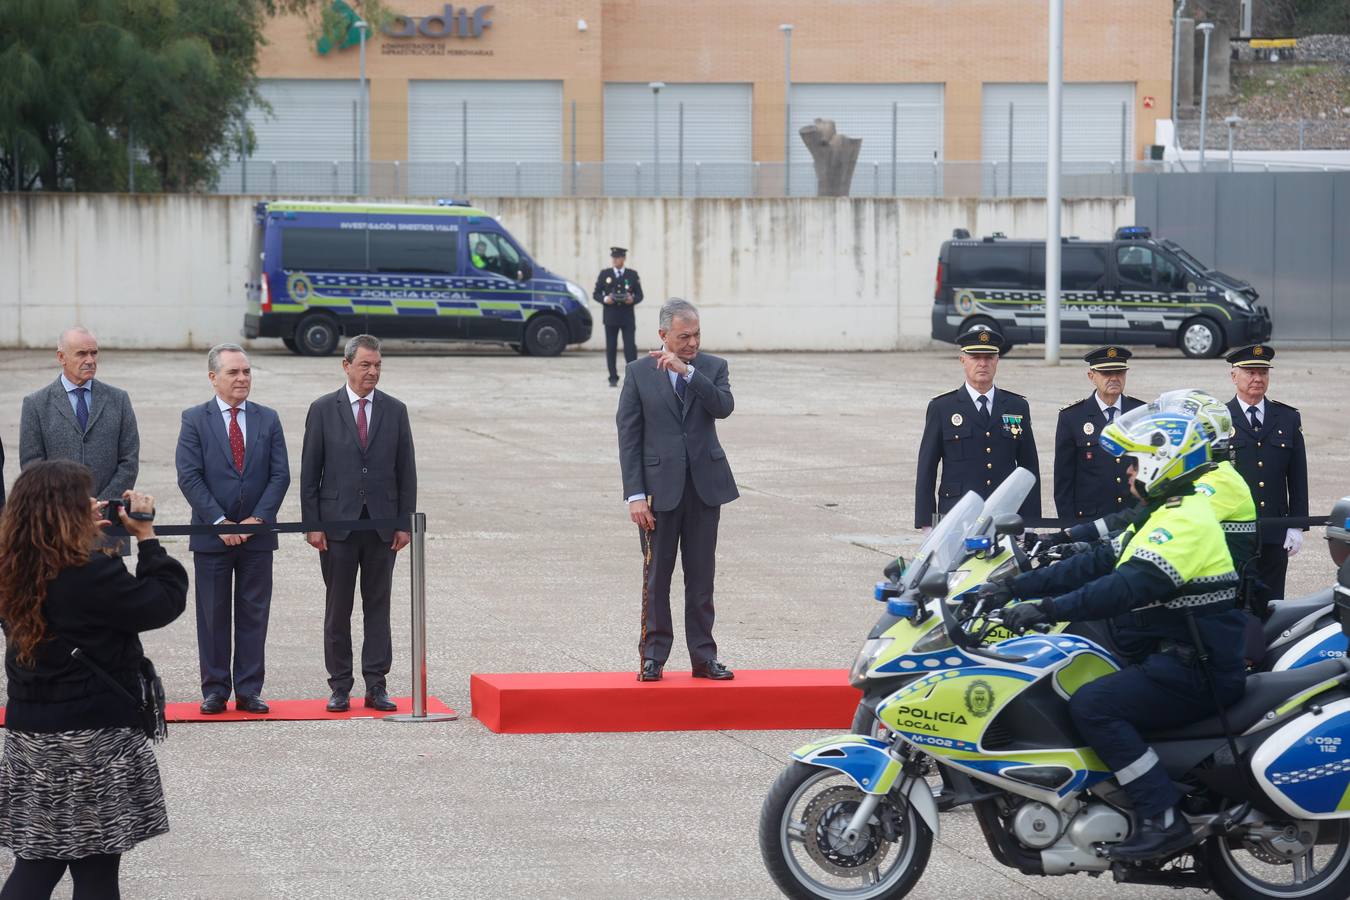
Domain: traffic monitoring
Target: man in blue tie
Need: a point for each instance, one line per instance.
(80, 418)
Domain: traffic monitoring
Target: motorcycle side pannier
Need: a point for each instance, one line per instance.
(1304, 765)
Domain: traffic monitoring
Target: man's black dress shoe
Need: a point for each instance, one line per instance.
(650, 671)
(252, 704)
(379, 699)
(339, 702)
(614, 381)
(213, 705)
(714, 670)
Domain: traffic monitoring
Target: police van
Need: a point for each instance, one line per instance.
(1130, 290)
(319, 271)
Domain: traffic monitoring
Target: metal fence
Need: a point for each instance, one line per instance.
(1250, 134)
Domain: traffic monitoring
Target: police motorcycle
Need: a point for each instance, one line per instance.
(1305, 631)
(852, 816)
(962, 545)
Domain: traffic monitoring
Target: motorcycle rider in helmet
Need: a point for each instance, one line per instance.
(1174, 566)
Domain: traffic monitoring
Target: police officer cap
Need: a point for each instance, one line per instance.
(618, 251)
(1338, 523)
(1257, 356)
(980, 340)
(1108, 359)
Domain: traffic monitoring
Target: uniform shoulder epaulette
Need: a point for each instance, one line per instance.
(1282, 405)
(1011, 393)
(948, 394)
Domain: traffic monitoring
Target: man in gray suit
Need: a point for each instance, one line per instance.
(358, 463)
(675, 479)
(81, 419)
(233, 469)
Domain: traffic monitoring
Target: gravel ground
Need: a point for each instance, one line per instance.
(533, 567)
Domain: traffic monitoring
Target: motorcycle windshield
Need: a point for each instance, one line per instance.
(1008, 497)
(946, 542)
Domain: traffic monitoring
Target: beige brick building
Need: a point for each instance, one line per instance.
(557, 81)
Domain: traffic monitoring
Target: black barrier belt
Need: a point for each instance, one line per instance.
(1286, 522)
(396, 524)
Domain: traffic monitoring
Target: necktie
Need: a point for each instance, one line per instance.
(681, 383)
(1256, 421)
(236, 439)
(362, 426)
(1110, 414)
(81, 408)
(984, 408)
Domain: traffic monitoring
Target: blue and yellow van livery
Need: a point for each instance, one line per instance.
(319, 271)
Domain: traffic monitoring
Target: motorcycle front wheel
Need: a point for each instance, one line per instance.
(1282, 861)
(801, 838)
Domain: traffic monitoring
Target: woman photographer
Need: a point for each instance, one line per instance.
(78, 781)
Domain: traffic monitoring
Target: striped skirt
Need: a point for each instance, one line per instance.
(71, 794)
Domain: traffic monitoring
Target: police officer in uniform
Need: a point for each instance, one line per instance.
(1268, 450)
(1090, 482)
(618, 289)
(1170, 594)
(978, 434)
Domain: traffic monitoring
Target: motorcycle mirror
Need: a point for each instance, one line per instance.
(1008, 523)
(933, 585)
(894, 569)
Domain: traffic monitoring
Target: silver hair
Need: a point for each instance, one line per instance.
(358, 342)
(213, 355)
(74, 329)
(676, 307)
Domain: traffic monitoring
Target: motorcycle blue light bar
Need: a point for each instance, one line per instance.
(979, 544)
(902, 607)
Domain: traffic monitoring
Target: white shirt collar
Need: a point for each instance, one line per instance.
(975, 396)
(352, 398)
(72, 386)
(225, 407)
(1104, 406)
(618, 273)
(1260, 409)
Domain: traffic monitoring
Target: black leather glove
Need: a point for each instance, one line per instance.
(1028, 613)
(995, 594)
(1046, 539)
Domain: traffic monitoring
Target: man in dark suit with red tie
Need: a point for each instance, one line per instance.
(358, 463)
(1267, 448)
(233, 470)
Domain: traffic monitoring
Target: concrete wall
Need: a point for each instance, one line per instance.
(814, 274)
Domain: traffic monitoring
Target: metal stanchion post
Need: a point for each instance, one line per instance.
(417, 564)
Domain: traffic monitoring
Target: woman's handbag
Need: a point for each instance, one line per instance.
(150, 704)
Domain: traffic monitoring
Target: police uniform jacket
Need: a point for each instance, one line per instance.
(607, 283)
(974, 455)
(1089, 482)
(1147, 581)
(1273, 461)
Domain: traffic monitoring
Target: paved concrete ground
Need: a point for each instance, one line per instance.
(534, 567)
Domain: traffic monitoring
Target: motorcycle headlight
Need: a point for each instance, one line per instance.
(871, 650)
(954, 579)
(577, 293)
(1237, 299)
(1005, 569)
(937, 639)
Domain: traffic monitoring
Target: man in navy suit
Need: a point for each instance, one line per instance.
(232, 468)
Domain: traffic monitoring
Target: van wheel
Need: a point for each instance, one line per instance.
(316, 335)
(1200, 339)
(291, 345)
(545, 335)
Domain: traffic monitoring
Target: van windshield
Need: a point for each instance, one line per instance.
(1187, 259)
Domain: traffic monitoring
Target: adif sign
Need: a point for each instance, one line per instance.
(450, 22)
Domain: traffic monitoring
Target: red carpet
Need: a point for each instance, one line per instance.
(555, 702)
(290, 711)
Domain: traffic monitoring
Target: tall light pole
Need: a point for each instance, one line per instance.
(656, 135)
(1205, 27)
(1055, 85)
(787, 108)
(362, 128)
(1176, 65)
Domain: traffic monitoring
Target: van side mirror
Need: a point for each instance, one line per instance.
(933, 585)
(1008, 523)
(526, 270)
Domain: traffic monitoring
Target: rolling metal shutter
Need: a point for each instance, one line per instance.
(514, 138)
(895, 121)
(714, 143)
(1098, 133)
(307, 143)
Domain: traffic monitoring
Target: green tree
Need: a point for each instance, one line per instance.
(90, 89)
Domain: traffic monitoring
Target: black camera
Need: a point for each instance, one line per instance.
(111, 508)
